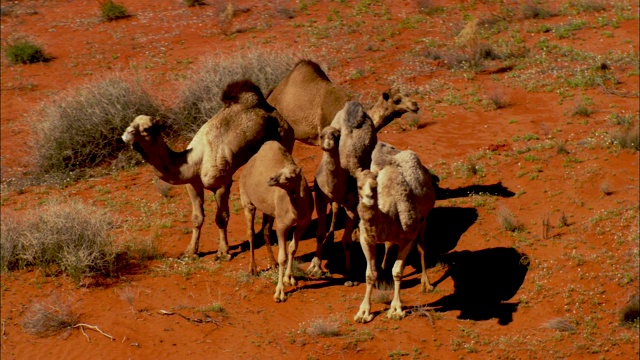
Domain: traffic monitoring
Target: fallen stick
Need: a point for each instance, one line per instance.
(198, 321)
(82, 326)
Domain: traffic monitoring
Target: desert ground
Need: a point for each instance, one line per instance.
(533, 239)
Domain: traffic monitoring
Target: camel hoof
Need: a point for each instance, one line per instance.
(279, 297)
(363, 317)
(396, 314)
(222, 257)
(187, 255)
(314, 271)
(290, 281)
(427, 288)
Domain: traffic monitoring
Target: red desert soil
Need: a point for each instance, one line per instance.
(584, 271)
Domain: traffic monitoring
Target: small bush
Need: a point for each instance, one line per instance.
(69, 237)
(532, 10)
(508, 220)
(323, 328)
(630, 314)
(24, 51)
(49, 317)
(200, 97)
(113, 11)
(80, 128)
(192, 3)
(496, 99)
(627, 138)
(561, 324)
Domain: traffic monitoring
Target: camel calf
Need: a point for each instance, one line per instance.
(272, 183)
(395, 197)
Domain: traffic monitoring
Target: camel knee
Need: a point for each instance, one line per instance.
(197, 220)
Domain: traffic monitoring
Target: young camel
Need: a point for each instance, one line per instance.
(272, 183)
(309, 101)
(395, 197)
(333, 185)
(221, 146)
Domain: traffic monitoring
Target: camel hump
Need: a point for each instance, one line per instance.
(313, 67)
(243, 92)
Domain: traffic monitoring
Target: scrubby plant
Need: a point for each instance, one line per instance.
(50, 316)
(627, 138)
(111, 10)
(324, 328)
(199, 99)
(508, 220)
(192, 3)
(20, 50)
(80, 128)
(63, 236)
(630, 313)
(533, 10)
(561, 324)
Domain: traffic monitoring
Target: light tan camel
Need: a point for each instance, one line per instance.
(272, 183)
(309, 101)
(396, 196)
(221, 146)
(333, 185)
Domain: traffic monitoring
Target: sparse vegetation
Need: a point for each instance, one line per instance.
(561, 324)
(50, 316)
(20, 50)
(508, 220)
(199, 99)
(112, 11)
(78, 129)
(324, 328)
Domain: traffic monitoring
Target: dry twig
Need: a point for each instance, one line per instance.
(82, 326)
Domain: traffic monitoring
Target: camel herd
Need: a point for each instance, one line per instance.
(394, 190)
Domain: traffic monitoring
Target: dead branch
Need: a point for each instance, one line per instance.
(92, 327)
(207, 319)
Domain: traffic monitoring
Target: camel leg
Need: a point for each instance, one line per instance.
(250, 214)
(282, 258)
(369, 249)
(267, 224)
(293, 247)
(347, 238)
(196, 193)
(334, 216)
(425, 285)
(222, 219)
(395, 310)
(315, 268)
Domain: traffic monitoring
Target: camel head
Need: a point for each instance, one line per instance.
(367, 186)
(142, 128)
(397, 102)
(329, 138)
(287, 178)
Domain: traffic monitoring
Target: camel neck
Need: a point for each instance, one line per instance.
(170, 166)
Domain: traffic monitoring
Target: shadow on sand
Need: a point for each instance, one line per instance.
(483, 280)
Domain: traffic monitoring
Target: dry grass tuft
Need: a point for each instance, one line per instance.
(49, 317)
(200, 97)
(561, 324)
(68, 237)
(508, 220)
(324, 328)
(79, 128)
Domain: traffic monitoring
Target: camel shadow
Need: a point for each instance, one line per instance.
(493, 189)
(484, 281)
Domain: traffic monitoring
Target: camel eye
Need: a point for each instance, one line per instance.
(397, 101)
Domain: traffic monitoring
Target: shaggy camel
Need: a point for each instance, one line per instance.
(309, 101)
(395, 197)
(221, 146)
(272, 183)
(333, 185)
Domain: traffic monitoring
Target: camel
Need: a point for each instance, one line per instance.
(333, 185)
(309, 101)
(272, 183)
(221, 146)
(396, 195)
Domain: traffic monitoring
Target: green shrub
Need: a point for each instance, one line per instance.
(200, 97)
(113, 11)
(191, 3)
(68, 237)
(24, 51)
(80, 128)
